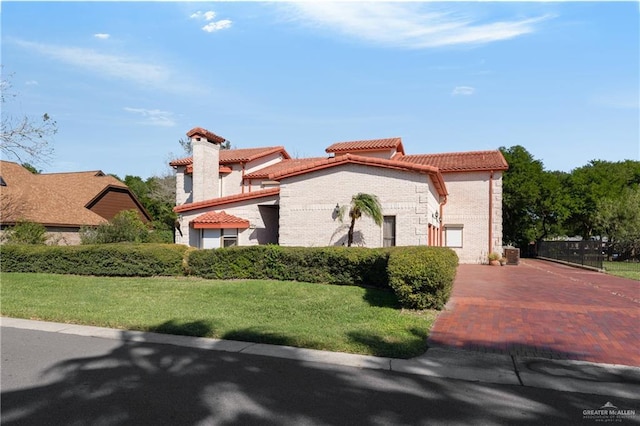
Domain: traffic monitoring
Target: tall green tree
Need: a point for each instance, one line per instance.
(618, 219)
(361, 204)
(535, 202)
(590, 184)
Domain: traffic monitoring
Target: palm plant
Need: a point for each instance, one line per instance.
(361, 204)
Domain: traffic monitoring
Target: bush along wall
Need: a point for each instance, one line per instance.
(421, 277)
(132, 260)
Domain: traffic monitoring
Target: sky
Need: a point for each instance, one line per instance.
(126, 81)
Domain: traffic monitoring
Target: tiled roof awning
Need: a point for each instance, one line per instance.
(460, 161)
(219, 220)
(367, 145)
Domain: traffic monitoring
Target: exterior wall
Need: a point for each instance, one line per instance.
(232, 182)
(206, 157)
(184, 186)
(114, 201)
(63, 236)
(55, 236)
(387, 154)
(307, 205)
(468, 205)
(249, 210)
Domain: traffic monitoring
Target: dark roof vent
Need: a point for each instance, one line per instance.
(2, 182)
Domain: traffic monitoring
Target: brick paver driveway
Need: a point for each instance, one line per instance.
(543, 309)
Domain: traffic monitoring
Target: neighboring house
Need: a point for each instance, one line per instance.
(263, 196)
(62, 202)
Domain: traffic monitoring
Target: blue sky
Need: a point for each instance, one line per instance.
(125, 81)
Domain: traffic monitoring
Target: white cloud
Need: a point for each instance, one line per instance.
(102, 36)
(212, 25)
(207, 16)
(217, 26)
(463, 91)
(31, 83)
(154, 117)
(406, 25)
(118, 66)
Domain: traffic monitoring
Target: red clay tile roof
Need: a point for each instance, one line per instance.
(324, 163)
(199, 131)
(459, 161)
(282, 165)
(227, 200)
(56, 199)
(367, 145)
(219, 220)
(240, 155)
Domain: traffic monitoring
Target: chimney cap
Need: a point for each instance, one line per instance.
(210, 136)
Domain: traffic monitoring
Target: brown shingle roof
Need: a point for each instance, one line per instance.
(219, 220)
(367, 145)
(239, 155)
(460, 161)
(53, 198)
(227, 200)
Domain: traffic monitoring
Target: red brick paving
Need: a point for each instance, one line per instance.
(543, 309)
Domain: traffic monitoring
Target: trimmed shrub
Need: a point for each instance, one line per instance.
(422, 277)
(132, 260)
(333, 265)
(26, 232)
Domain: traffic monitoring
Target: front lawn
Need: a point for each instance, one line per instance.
(328, 317)
(623, 269)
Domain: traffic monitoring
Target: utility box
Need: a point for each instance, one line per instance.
(513, 255)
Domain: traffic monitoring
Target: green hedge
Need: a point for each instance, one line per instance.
(421, 277)
(141, 260)
(333, 265)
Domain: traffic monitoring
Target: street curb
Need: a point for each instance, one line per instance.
(563, 375)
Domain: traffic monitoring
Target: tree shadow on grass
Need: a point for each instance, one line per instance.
(194, 328)
(381, 345)
(382, 298)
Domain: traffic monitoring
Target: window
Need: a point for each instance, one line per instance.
(389, 231)
(229, 237)
(453, 236)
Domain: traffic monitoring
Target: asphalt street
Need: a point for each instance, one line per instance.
(62, 379)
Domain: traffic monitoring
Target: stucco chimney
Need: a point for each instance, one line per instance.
(206, 159)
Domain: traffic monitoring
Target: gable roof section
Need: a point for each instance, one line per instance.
(227, 200)
(240, 155)
(367, 145)
(460, 161)
(56, 199)
(219, 220)
(325, 163)
(210, 136)
(265, 172)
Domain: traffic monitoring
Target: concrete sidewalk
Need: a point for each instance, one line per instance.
(563, 375)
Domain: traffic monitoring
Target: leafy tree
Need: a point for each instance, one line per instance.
(26, 232)
(618, 218)
(25, 137)
(126, 226)
(590, 184)
(361, 204)
(31, 168)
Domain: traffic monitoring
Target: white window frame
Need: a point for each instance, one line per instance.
(229, 235)
(454, 236)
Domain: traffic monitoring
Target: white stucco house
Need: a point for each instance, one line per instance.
(263, 196)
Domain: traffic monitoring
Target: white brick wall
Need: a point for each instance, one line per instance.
(307, 203)
(248, 210)
(468, 205)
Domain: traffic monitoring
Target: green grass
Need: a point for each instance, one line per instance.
(327, 317)
(623, 269)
